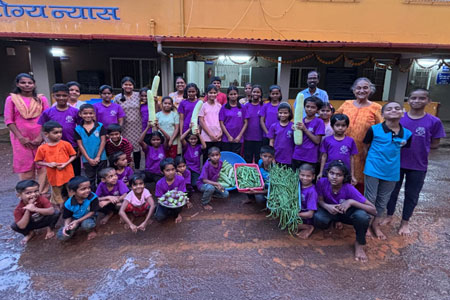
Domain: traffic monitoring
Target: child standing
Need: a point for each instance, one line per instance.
(339, 201)
(427, 131)
(208, 118)
(339, 147)
(171, 181)
(91, 139)
(154, 154)
(138, 202)
(207, 182)
(80, 210)
(325, 114)
(221, 97)
(247, 94)
(182, 170)
(308, 202)
(106, 111)
(186, 107)
(269, 112)
(232, 122)
(281, 135)
(110, 192)
(65, 115)
(57, 156)
(33, 211)
(116, 142)
(313, 130)
(253, 134)
(119, 162)
(193, 145)
(382, 170)
(169, 121)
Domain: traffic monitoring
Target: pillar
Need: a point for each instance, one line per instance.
(42, 67)
(284, 78)
(165, 75)
(399, 83)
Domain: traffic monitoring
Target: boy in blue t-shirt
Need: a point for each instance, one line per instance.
(267, 155)
(80, 210)
(383, 143)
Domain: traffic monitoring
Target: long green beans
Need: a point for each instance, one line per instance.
(248, 177)
(283, 198)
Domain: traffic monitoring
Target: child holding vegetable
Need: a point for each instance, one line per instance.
(253, 134)
(313, 130)
(339, 146)
(193, 144)
(170, 182)
(281, 135)
(169, 121)
(119, 162)
(339, 201)
(154, 154)
(207, 182)
(138, 202)
(183, 171)
(209, 120)
(265, 163)
(186, 107)
(233, 122)
(308, 202)
(268, 114)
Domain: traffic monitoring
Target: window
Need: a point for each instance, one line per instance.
(298, 77)
(142, 70)
(233, 74)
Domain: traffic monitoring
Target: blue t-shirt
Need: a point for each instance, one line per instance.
(264, 173)
(75, 210)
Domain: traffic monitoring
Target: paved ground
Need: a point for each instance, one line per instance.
(233, 251)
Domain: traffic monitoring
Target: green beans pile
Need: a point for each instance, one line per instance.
(248, 177)
(283, 198)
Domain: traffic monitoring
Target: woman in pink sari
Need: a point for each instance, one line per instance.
(23, 108)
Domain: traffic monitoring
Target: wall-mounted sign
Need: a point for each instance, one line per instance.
(57, 11)
(443, 78)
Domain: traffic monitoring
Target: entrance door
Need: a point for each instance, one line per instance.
(196, 74)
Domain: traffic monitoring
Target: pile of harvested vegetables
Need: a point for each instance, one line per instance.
(283, 198)
(248, 177)
(226, 175)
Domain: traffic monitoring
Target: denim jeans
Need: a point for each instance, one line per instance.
(163, 212)
(209, 191)
(87, 225)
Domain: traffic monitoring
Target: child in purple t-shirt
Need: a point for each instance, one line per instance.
(110, 192)
(171, 181)
(106, 111)
(193, 145)
(308, 201)
(233, 122)
(339, 201)
(338, 147)
(427, 130)
(281, 135)
(207, 182)
(253, 133)
(154, 154)
(268, 114)
(119, 162)
(313, 130)
(182, 170)
(186, 107)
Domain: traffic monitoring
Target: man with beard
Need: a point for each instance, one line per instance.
(313, 90)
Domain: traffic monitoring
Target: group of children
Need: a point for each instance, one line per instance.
(262, 132)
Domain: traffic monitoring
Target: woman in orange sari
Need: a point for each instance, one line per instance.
(363, 114)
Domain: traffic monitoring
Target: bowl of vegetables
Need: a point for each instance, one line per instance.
(248, 177)
(226, 175)
(173, 199)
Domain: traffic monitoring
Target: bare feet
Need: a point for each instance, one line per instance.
(27, 238)
(404, 229)
(106, 218)
(387, 221)
(360, 254)
(180, 218)
(305, 232)
(377, 231)
(339, 225)
(207, 207)
(91, 235)
(50, 234)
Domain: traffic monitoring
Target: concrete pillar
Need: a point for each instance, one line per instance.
(165, 75)
(284, 78)
(399, 83)
(42, 67)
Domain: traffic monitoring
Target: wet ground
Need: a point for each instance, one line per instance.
(233, 251)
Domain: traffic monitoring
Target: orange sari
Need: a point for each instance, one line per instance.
(361, 119)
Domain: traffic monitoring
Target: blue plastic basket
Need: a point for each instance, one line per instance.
(232, 158)
(93, 101)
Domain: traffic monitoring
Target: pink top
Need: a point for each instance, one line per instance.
(210, 114)
(133, 200)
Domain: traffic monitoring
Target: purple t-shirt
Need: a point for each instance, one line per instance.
(68, 120)
(153, 158)
(283, 142)
(309, 198)
(270, 113)
(108, 114)
(187, 177)
(209, 172)
(186, 108)
(233, 120)
(162, 187)
(126, 174)
(423, 130)
(308, 151)
(119, 189)
(144, 117)
(254, 131)
(192, 157)
(338, 150)
(347, 191)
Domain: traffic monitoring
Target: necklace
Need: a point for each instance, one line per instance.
(118, 144)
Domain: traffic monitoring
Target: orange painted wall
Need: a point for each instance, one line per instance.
(325, 20)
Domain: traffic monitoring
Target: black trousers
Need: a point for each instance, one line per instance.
(49, 220)
(251, 151)
(137, 159)
(92, 173)
(163, 212)
(76, 164)
(232, 147)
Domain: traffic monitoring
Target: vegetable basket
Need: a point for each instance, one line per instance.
(232, 158)
(261, 180)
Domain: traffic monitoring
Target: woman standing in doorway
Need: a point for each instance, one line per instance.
(23, 108)
(131, 129)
